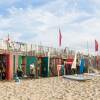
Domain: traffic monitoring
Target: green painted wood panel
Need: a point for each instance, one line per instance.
(45, 72)
(29, 60)
(19, 61)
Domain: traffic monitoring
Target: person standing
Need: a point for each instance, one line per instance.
(77, 66)
(38, 67)
(82, 65)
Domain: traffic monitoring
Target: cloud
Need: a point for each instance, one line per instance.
(40, 24)
(97, 2)
(6, 2)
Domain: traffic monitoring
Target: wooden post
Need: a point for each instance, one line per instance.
(58, 69)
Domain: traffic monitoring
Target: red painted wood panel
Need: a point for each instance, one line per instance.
(9, 69)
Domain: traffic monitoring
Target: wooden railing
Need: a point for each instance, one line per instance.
(33, 49)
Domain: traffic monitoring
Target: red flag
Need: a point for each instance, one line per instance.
(60, 38)
(96, 45)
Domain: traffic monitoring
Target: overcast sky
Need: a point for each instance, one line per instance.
(38, 21)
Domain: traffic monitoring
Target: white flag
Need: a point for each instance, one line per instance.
(74, 62)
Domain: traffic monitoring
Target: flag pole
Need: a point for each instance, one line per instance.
(60, 43)
(48, 63)
(97, 59)
(96, 51)
(8, 38)
(88, 54)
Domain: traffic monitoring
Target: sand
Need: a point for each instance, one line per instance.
(53, 88)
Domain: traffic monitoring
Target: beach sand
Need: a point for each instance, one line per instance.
(52, 88)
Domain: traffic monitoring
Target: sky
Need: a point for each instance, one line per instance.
(38, 21)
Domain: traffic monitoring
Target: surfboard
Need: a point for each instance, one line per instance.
(78, 77)
(93, 74)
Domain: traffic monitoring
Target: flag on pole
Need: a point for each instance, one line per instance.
(8, 39)
(60, 38)
(8, 42)
(74, 62)
(96, 45)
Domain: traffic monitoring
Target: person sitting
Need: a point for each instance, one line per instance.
(3, 75)
(32, 70)
(19, 72)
